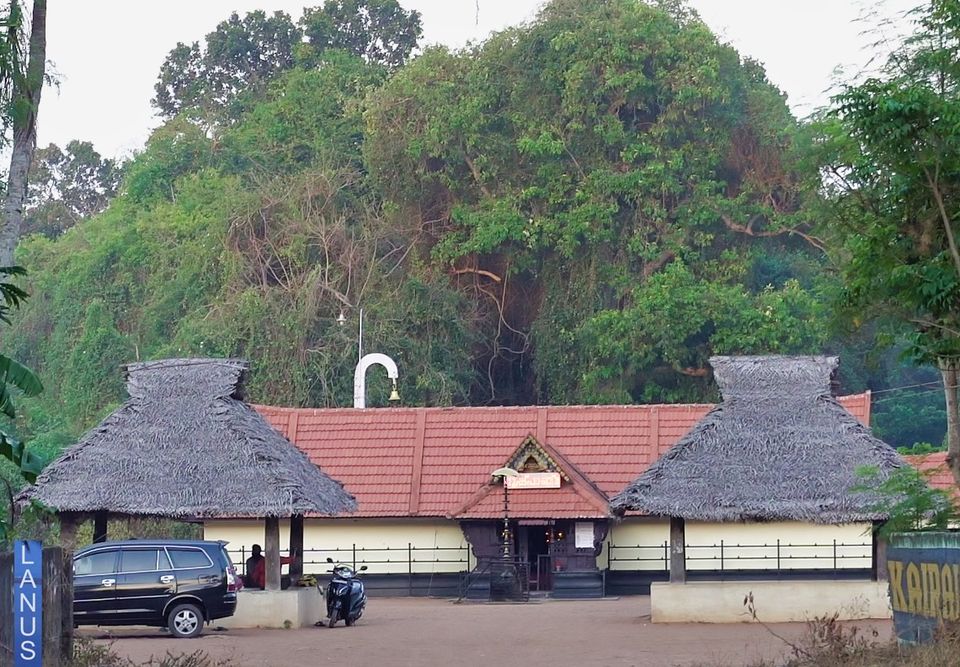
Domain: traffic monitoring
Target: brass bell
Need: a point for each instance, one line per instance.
(394, 395)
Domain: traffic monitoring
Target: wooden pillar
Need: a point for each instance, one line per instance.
(678, 560)
(296, 548)
(68, 533)
(68, 544)
(271, 551)
(879, 565)
(99, 527)
(66, 607)
(57, 608)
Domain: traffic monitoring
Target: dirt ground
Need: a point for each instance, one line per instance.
(426, 633)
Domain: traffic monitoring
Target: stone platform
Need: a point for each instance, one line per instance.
(294, 608)
(776, 601)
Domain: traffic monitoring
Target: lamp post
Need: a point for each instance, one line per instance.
(507, 542)
(342, 319)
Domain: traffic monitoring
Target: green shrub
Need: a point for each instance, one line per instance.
(907, 498)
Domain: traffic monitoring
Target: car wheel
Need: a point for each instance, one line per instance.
(185, 621)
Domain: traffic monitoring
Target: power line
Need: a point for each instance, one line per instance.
(916, 393)
(906, 386)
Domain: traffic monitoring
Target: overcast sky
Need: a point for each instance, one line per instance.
(108, 53)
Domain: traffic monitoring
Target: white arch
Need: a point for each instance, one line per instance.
(360, 375)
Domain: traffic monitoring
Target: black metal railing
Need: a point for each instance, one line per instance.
(408, 559)
(725, 556)
(721, 556)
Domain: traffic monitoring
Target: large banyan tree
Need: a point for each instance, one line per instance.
(606, 180)
(583, 209)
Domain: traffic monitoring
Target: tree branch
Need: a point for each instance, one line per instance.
(476, 174)
(951, 241)
(480, 272)
(935, 325)
(665, 258)
(749, 231)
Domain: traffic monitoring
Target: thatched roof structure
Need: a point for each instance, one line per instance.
(779, 447)
(185, 445)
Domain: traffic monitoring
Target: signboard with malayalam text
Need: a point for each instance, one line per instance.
(534, 480)
(27, 603)
(924, 574)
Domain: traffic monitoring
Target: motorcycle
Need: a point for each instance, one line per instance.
(345, 595)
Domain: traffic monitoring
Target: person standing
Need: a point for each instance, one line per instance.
(255, 560)
(259, 573)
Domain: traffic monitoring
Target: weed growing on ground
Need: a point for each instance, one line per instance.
(88, 653)
(828, 642)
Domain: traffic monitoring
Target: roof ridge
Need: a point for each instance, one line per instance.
(475, 498)
(482, 408)
(494, 408)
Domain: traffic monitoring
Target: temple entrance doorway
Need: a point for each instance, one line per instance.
(535, 540)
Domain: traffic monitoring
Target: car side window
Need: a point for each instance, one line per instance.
(164, 563)
(184, 559)
(100, 562)
(138, 560)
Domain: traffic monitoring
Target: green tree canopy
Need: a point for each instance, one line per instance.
(236, 63)
(379, 31)
(66, 186)
(595, 147)
(218, 81)
(579, 210)
(889, 149)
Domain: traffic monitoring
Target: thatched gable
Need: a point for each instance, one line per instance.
(779, 447)
(184, 445)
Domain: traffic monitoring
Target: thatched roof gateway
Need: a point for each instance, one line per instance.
(779, 447)
(185, 445)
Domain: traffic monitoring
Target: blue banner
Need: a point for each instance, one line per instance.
(27, 603)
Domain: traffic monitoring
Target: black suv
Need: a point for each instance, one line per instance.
(177, 584)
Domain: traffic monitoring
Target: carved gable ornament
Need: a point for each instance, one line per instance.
(538, 470)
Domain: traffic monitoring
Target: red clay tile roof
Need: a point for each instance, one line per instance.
(578, 498)
(436, 462)
(935, 467)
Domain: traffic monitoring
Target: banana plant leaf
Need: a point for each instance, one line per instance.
(11, 448)
(31, 466)
(21, 377)
(11, 296)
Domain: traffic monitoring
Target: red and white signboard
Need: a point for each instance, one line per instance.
(534, 480)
